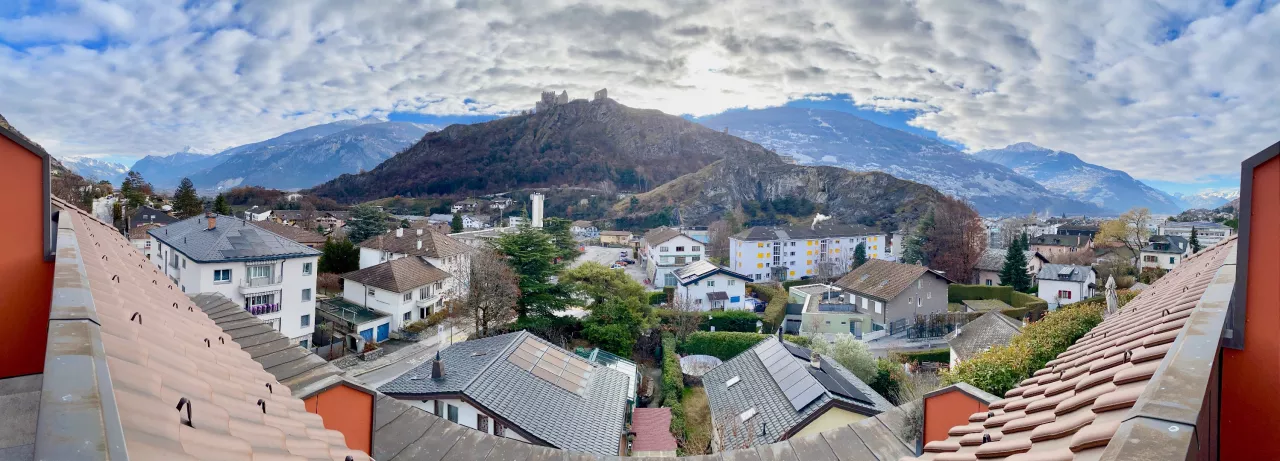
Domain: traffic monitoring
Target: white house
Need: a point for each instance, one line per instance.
(500, 203)
(441, 251)
(707, 286)
(1164, 252)
(257, 213)
(140, 239)
(584, 229)
(1065, 283)
(1207, 233)
(475, 221)
(801, 251)
(273, 277)
(665, 249)
(409, 289)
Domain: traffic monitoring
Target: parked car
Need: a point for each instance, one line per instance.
(622, 254)
(628, 260)
(616, 266)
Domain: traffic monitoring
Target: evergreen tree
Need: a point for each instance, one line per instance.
(859, 255)
(339, 257)
(558, 229)
(913, 249)
(1195, 242)
(186, 203)
(366, 221)
(456, 225)
(531, 254)
(135, 190)
(1014, 272)
(220, 206)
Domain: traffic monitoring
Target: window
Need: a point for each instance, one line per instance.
(919, 284)
(422, 293)
(732, 381)
(306, 294)
(408, 316)
(371, 292)
(482, 423)
(1149, 259)
(306, 320)
(184, 263)
(453, 414)
(222, 276)
(696, 257)
(662, 249)
(877, 306)
(988, 282)
(259, 272)
(697, 248)
(731, 282)
(499, 430)
(305, 344)
(408, 296)
(757, 276)
(1064, 294)
(679, 248)
(929, 295)
(258, 300)
(306, 268)
(1171, 260)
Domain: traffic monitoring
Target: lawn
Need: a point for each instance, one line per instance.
(697, 421)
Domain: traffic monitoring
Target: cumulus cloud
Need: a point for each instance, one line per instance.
(1185, 86)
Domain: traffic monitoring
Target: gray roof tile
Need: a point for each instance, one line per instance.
(231, 239)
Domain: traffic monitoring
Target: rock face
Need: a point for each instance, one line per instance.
(599, 143)
(825, 137)
(1066, 174)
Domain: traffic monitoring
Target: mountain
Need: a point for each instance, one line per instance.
(294, 160)
(601, 144)
(96, 169)
(1210, 198)
(825, 137)
(1066, 174)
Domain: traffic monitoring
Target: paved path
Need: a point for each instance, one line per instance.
(606, 256)
(390, 366)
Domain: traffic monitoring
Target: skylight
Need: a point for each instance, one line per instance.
(747, 414)
(568, 372)
(732, 381)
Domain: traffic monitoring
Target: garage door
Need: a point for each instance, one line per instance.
(383, 331)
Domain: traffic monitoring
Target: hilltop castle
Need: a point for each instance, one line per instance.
(551, 99)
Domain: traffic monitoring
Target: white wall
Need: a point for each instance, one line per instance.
(387, 301)
(370, 257)
(466, 414)
(1162, 260)
(1079, 290)
(801, 256)
(660, 259)
(697, 293)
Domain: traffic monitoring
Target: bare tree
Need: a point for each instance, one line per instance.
(491, 300)
(1011, 228)
(957, 240)
(718, 249)
(731, 426)
(1128, 231)
(1080, 257)
(307, 218)
(685, 316)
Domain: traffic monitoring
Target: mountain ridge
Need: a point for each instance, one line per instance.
(95, 169)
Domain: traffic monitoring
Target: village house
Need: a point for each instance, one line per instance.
(1164, 252)
(707, 286)
(987, 270)
(823, 310)
(147, 215)
(893, 293)
(583, 228)
(140, 239)
(988, 330)
(611, 237)
(257, 213)
(1051, 245)
(304, 236)
(442, 251)
(500, 203)
(796, 252)
(1207, 233)
(1061, 284)
(665, 249)
(408, 289)
(267, 274)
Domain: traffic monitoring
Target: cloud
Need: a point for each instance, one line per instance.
(1186, 87)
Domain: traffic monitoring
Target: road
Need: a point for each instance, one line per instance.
(606, 256)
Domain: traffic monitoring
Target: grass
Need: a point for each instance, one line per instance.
(697, 420)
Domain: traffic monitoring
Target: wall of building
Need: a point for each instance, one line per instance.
(947, 410)
(755, 259)
(1079, 290)
(386, 301)
(466, 414)
(370, 257)
(835, 323)
(697, 292)
(833, 418)
(659, 262)
(346, 410)
(926, 295)
(27, 286)
(1164, 261)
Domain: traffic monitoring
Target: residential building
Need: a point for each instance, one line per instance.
(777, 391)
(795, 252)
(328, 220)
(1085, 230)
(441, 251)
(893, 293)
(269, 275)
(1065, 283)
(353, 325)
(306, 237)
(584, 229)
(140, 239)
(988, 330)
(257, 213)
(987, 270)
(707, 286)
(476, 221)
(500, 204)
(611, 237)
(147, 215)
(441, 218)
(516, 221)
(1164, 252)
(1051, 245)
(521, 387)
(409, 289)
(823, 309)
(1207, 233)
(665, 249)
(699, 233)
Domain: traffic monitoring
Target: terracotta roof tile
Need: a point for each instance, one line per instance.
(881, 279)
(434, 244)
(399, 275)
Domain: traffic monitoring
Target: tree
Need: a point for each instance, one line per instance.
(850, 353)
(1195, 242)
(685, 317)
(558, 229)
(307, 215)
(598, 283)
(531, 255)
(1129, 231)
(955, 239)
(135, 190)
(456, 225)
(186, 203)
(494, 290)
(633, 203)
(339, 256)
(220, 206)
(117, 214)
(859, 255)
(366, 221)
(1014, 272)
(913, 249)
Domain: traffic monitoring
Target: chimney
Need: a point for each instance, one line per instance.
(437, 367)
(213, 220)
(815, 360)
(779, 334)
(419, 243)
(399, 232)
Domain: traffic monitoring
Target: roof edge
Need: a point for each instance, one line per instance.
(969, 389)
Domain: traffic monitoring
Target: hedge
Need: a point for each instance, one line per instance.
(958, 292)
(940, 355)
(672, 385)
(776, 309)
(741, 321)
(725, 345)
(657, 297)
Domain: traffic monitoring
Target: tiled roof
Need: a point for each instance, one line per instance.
(479, 369)
(434, 244)
(1061, 240)
(146, 214)
(993, 259)
(1171, 244)
(757, 389)
(881, 279)
(139, 232)
(990, 329)
(653, 430)
(159, 349)
(701, 269)
(820, 231)
(1070, 409)
(660, 235)
(1051, 271)
(399, 275)
(231, 239)
(297, 234)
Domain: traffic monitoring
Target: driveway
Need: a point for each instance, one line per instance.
(606, 256)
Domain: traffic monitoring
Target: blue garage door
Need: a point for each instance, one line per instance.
(367, 335)
(383, 331)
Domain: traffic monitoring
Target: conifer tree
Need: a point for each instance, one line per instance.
(186, 203)
(859, 255)
(1195, 242)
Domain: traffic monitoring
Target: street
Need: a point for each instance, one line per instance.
(606, 256)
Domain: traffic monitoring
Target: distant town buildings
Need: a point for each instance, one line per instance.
(1207, 233)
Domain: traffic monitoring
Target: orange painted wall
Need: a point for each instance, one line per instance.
(27, 285)
(348, 411)
(1248, 417)
(945, 411)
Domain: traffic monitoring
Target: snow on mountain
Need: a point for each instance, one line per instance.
(1066, 174)
(824, 137)
(1210, 198)
(94, 169)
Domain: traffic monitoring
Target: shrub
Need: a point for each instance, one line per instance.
(436, 317)
(614, 338)
(941, 355)
(657, 297)
(742, 321)
(724, 345)
(776, 308)
(888, 380)
(850, 353)
(417, 327)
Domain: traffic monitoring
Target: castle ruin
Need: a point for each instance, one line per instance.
(550, 99)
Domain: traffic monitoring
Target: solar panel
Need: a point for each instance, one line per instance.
(568, 372)
(800, 387)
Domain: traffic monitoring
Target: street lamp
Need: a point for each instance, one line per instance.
(759, 326)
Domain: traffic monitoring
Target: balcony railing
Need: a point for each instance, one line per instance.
(259, 282)
(262, 309)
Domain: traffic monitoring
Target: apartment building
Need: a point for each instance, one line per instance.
(1207, 233)
(794, 252)
(665, 249)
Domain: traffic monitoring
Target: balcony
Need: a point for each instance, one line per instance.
(259, 284)
(263, 309)
(429, 301)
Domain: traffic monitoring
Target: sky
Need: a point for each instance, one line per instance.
(1174, 92)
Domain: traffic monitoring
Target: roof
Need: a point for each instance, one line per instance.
(702, 269)
(434, 244)
(581, 224)
(399, 275)
(1195, 224)
(660, 235)
(349, 311)
(882, 279)
(1078, 228)
(1171, 244)
(1061, 240)
(653, 430)
(139, 232)
(1078, 273)
(993, 259)
(127, 378)
(14, 135)
(756, 388)
(821, 231)
(990, 329)
(146, 214)
(294, 233)
(233, 239)
(482, 371)
(1074, 407)
(616, 233)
